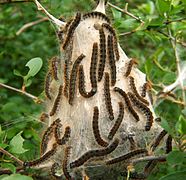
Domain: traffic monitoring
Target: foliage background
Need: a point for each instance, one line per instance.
(149, 43)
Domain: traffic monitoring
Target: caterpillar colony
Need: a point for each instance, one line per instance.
(88, 130)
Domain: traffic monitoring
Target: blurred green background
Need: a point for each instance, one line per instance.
(147, 39)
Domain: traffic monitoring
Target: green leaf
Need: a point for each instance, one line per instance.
(181, 125)
(175, 157)
(16, 144)
(9, 166)
(166, 126)
(17, 177)
(163, 6)
(180, 175)
(34, 65)
(17, 73)
(116, 13)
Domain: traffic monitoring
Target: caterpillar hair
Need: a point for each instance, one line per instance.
(96, 14)
(127, 102)
(57, 101)
(158, 139)
(169, 144)
(134, 90)
(143, 108)
(102, 52)
(111, 59)
(43, 158)
(73, 25)
(129, 67)
(72, 88)
(54, 67)
(113, 33)
(107, 95)
(94, 153)
(95, 127)
(118, 121)
(66, 136)
(127, 156)
(65, 163)
(48, 80)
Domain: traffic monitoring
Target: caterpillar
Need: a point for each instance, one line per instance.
(134, 90)
(43, 116)
(111, 59)
(95, 127)
(132, 142)
(107, 95)
(73, 25)
(57, 101)
(54, 67)
(126, 156)
(127, 102)
(118, 121)
(43, 158)
(73, 75)
(129, 67)
(144, 109)
(144, 89)
(48, 80)
(102, 52)
(94, 153)
(97, 15)
(169, 144)
(150, 166)
(82, 90)
(66, 136)
(57, 130)
(158, 139)
(113, 33)
(65, 163)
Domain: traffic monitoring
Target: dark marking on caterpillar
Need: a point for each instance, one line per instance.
(129, 67)
(57, 130)
(134, 90)
(95, 153)
(54, 67)
(127, 102)
(65, 163)
(150, 166)
(111, 58)
(143, 108)
(102, 52)
(96, 14)
(66, 136)
(158, 139)
(115, 44)
(43, 158)
(134, 175)
(127, 156)
(57, 101)
(133, 144)
(144, 89)
(48, 80)
(107, 95)
(95, 127)
(118, 121)
(43, 116)
(169, 144)
(73, 25)
(72, 88)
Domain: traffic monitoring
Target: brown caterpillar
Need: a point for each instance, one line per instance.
(127, 156)
(95, 153)
(144, 109)
(48, 80)
(57, 130)
(102, 52)
(65, 163)
(127, 102)
(150, 166)
(111, 59)
(95, 127)
(158, 139)
(129, 67)
(118, 121)
(107, 95)
(66, 136)
(43, 116)
(144, 89)
(73, 75)
(169, 144)
(66, 78)
(113, 33)
(82, 90)
(57, 101)
(132, 142)
(134, 90)
(97, 15)
(54, 67)
(43, 158)
(71, 30)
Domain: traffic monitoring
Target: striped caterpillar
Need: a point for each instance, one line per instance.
(48, 80)
(54, 67)
(129, 67)
(65, 137)
(65, 163)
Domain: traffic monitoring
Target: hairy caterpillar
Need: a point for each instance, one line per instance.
(66, 136)
(54, 67)
(48, 80)
(129, 67)
(65, 163)
(169, 144)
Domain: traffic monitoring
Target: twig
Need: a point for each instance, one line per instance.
(148, 158)
(127, 33)
(30, 24)
(125, 11)
(16, 1)
(11, 156)
(36, 99)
